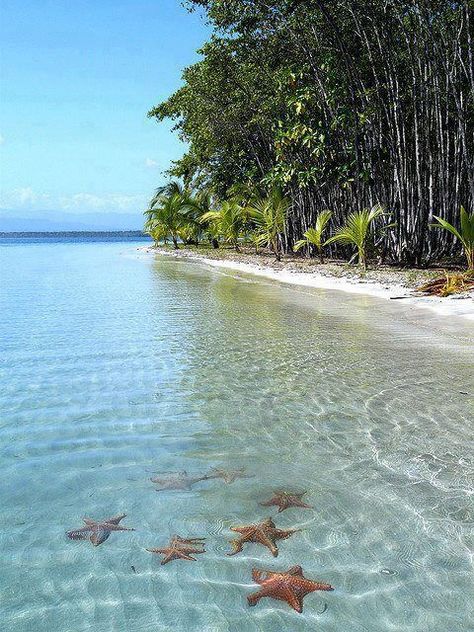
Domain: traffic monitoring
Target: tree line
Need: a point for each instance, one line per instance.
(341, 105)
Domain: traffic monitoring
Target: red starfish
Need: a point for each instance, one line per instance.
(290, 586)
(98, 532)
(263, 533)
(283, 500)
(180, 548)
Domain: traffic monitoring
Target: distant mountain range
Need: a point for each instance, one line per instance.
(56, 221)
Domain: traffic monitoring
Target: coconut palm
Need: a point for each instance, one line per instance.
(156, 233)
(229, 222)
(465, 234)
(312, 237)
(194, 207)
(356, 231)
(269, 215)
(164, 215)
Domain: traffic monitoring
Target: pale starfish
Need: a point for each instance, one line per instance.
(290, 586)
(229, 476)
(178, 480)
(283, 500)
(98, 532)
(180, 548)
(262, 533)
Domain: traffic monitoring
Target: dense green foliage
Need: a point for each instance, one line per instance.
(342, 105)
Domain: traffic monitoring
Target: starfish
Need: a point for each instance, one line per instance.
(290, 586)
(263, 533)
(98, 532)
(283, 500)
(229, 476)
(178, 480)
(180, 548)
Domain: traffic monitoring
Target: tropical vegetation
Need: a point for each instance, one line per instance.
(300, 106)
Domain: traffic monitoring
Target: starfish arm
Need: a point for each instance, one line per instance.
(98, 536)
(186, 556)
(320, 586)
(243, 530)
(295, 570)
(255, 597)
(164, 551)
(168, 558)
(116, 519)
(283, 534)
(89, 521)
(268, 542)
(259, 576)
(284, 593)
(79, 534)
(115, 527)
(237, 546)
(268, 503)
(300, 503)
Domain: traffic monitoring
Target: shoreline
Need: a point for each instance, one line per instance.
(308, 273)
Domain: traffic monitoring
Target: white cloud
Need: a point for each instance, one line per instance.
(27, 199)
(2, 139)
(149, 162)
(23, 197)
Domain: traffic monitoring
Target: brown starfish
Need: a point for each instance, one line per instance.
(180, 548)
(283, 500)
(290, 586)
(229, 476)
(178, 480)
(263, 533)
(98, 532)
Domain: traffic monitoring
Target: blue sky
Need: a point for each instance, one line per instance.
(77, 79)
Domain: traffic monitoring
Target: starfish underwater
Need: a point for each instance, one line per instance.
(290, 586)
(283, 500)
(180, 548)
(178, 480)
(98, 532)
(262, 533)
(229, 476)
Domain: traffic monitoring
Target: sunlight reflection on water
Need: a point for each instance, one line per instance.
(115, 365)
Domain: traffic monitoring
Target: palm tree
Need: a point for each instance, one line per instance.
(356, 231)
(194, 207)
(312, 237)
(269, 216)
(229, 221)
(465, 234)
(164, 215)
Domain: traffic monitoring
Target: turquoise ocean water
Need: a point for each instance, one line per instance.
(115, 365)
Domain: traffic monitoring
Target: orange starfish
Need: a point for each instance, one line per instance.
(263, 533)
(180, 548)
(98, 532)
(283, 500)
(290, 586)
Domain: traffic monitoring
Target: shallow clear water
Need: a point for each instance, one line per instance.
(114, 365)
